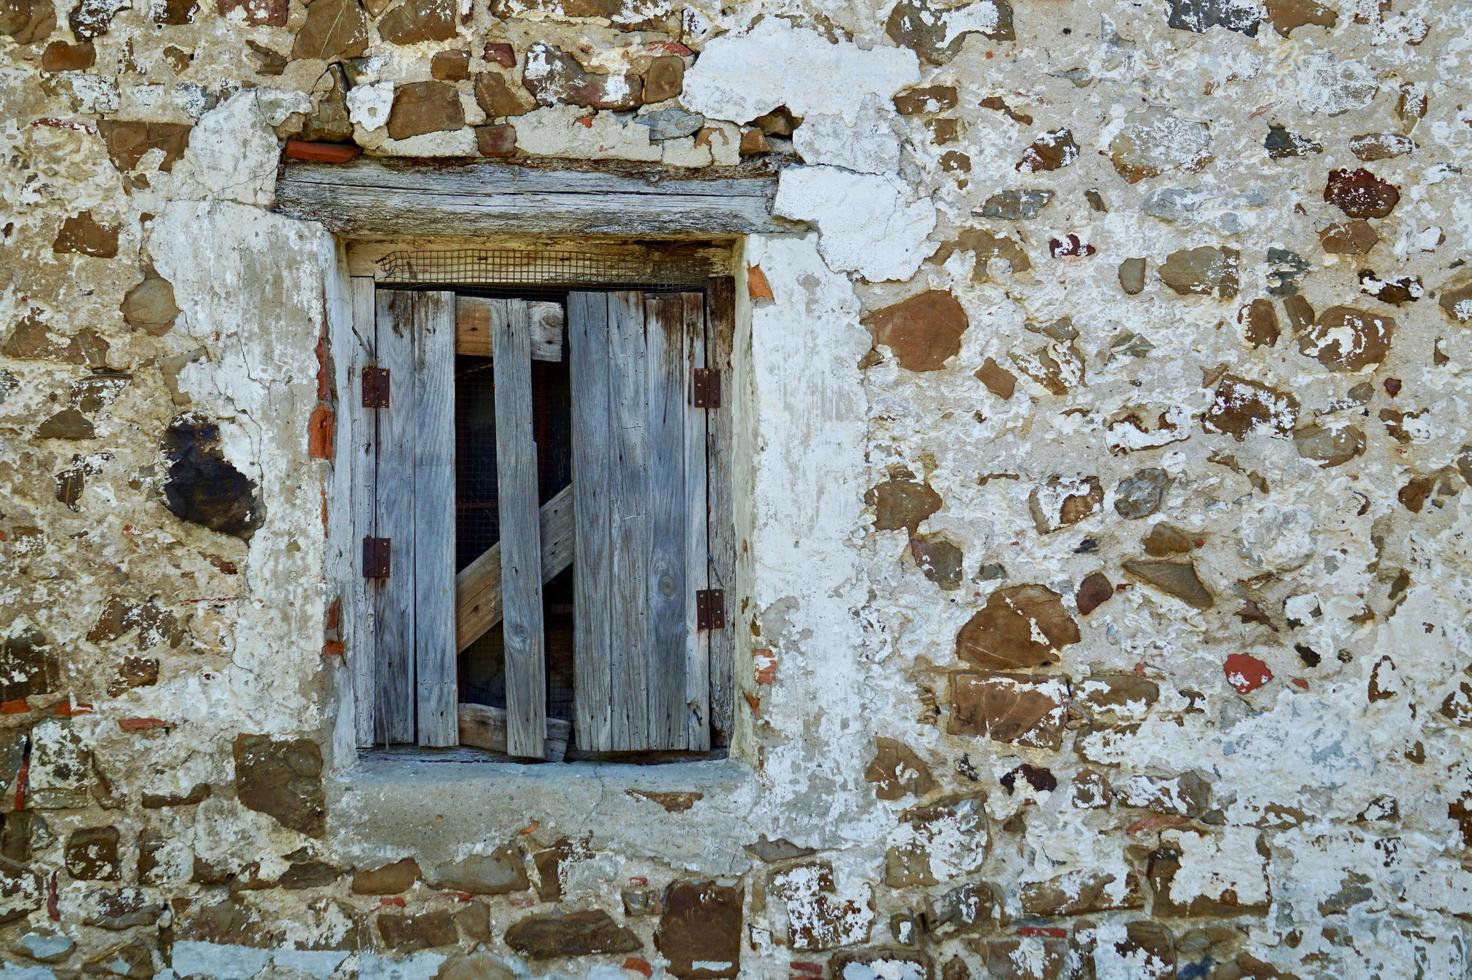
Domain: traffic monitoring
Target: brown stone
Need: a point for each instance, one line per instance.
(1370, 147)
(1241, 406)
(388, 879)
(92, 854)
(132, 960)
(1132, 276)
(1455, 299)
(1204, 271)
(499, 100)
(415, 21)
(1093, 592)
(922, 331)
(1287, 16)
(1214, 899)
(1360, 194)
(925, 27)
(1176, 578)
(497, 873)
(988, 245)
(149, 306)
(1396, 292)
(1164, 540)
(257, 13)
(28, 665)
(1259, 322)
(496, 141)
(664, 79)
(128, 141)
(152, 624)
(1155, 141)
(555, 934)
(450, 66)
(424, 107)
(20, 891)
(966, 908)
(1060, 501)
(333, 29)
(175, 12)
(499, 53)
(404, 932)
(61, 56)
(1141, 493)
(268, 61)
(897, 771)
(700, 930)
(329, 121)
(1345, 338)
(670, 802)
(938, 558)
(28, 21)
(753, 143)
(1300, 312)
(1186, 795)
(901, 503)
(1011, 708)
(1020, 626)
(1112, 693)
(1015, 205)
(998, 380)
(157, 801)
(121, 908)
(926, 100)
(1051, 151)
(552, 76)
(283, 779)
(83, 235)
(1081, 893)
(1329, 446)
(817, 919)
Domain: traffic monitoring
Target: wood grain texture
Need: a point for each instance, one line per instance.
(478, 605)
(352, 483)
(484, 727)
(394, 519)
(521, 547)
(697, 547)
(587, 335)
(473, 328)
(667, 587)
(628, 505)
(434, 518)
(370, 197)
(720, 299)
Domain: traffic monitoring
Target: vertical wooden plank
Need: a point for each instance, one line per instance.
(435, 681)
(629, 530)
(720, 338)
(521, 539)
(394, 519)
(697, 547)
(587, 330)
(353, 472)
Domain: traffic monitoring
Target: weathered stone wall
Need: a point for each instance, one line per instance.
(1107, 510)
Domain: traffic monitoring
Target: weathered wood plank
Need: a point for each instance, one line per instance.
(394, 519)
(484, 727)
(478, 606)
(587, 322)
(352, 481)
(720, 338)
(369, 197)
(667, 544)
(629, 649)
(473, 328)
(521, 548)
(434, 518)
(697, 548)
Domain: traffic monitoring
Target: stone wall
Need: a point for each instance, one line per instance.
(1106, 499)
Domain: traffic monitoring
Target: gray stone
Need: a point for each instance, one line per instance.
(1140, 494)
(671, 124)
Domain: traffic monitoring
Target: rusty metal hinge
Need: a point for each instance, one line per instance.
(376, 557)
(706, 388)
(375, 387)
(710, 609)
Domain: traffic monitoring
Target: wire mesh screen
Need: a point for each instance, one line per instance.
(665, 269)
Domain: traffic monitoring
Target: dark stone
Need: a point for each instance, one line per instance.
(1141, 493)
(930, 99)
(329, 122)
(1081, 893)
(1259, 323)
(127, 142)
(1281, 144)
(333, 29)
(92, 18)
(426, 930)
(497, 99)
(1203, 271)
(123, 908)
(133, 960)
(414, 21)
(1199, 16)
(175, 12)
(27, 21)
(390, 879)
(555, 934)
(671, 124)
(196, 795)
(1360, 194)
(92, 854)
(83, 235)
(1177, 578)
(1020, 626)
(1241, 406)
(496, 141)
(1370, 147)
(1016, 205)
(309, 874)
(901, 503)
(700, 931)
(28, 665)
(60, 56)
(897, 771)
(1347, 339)
(552, 76)
(282, 778)
(66, 424)
(1132, 276)
(1093, 592)
(1011, 708)
(925, 29)
(967, 908)
(498, 873)
(20, 891)
(122, 616)
(424, 107)
(1051, 151)
(938, 558)
(1285, 269)
(923, 331)
(998, 380)
(1404, 289)
(1348, 237)
(203, 487)
(450, 66)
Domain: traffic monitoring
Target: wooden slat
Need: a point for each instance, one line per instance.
(394, 519)
(629, 649)
(370, 197)
(587, 322)
(484, 727)
(473, 328)
(353, 473)
(434, 518)
(521, 548)
(697, 549)
(478, 605)
(667, 543)
(720, 337)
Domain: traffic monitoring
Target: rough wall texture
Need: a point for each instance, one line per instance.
(1108, 545)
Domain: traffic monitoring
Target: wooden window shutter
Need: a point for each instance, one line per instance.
(410, 426)
(639, 501)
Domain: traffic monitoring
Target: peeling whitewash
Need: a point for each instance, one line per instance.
(1102, 479)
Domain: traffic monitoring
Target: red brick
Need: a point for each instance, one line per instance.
(319, 432)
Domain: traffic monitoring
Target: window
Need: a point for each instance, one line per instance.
(540, 484)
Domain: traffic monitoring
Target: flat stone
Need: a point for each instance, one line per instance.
(1287, 16)
(923, 331)
(1455, 299)
(664, 79)
(1370, 147)
(497, 873)
(450, 66)
(1330, 446)
(1060, 501)
(897, 771)
(1281, 144)
(1132, 276)
(1141, 493)
(28, 665)
(1240, 406)
(936, 31)
(196, 795)
(998, 380)
(1020, 626)
(20, 891)
(671, 124)
(424, 107)
(901, 503)
(404, 932)
(496, 141)
(133, 960)
(202, 486)
(1053, 150)
(84, 235)
(122, 908)
(1011, 708)
(1186, 795)
(1354, 237)
(1360, 194)
(1176, 578)
(1299, 311)
(1155, 140)
(150, 307)
(926, 100)
(552, 75)
(1348, 339)
(1259, 323)
(817, 918)
(1397, 291)
(498, 99)
(555, 934)
(938, 558)
(1116, 693)
(128, 141)
(388, 879)
(1082, 893)
(333, 29)
(1204, 271)
(92, 854)
(1285, 269)
(44, 946)
(329, 121)
(700, 931)
(1164, 540)
(1093, 592)
(966, 908)
(1200, 16)
(415, 21)
(1016, 205)
(282, 778)
(61, 56)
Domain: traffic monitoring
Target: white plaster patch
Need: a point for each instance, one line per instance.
(1214, 864)
(369, 105)
(570, 131)
(868, 144)
(1332, 85)
(232, 153)
(869, 223)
